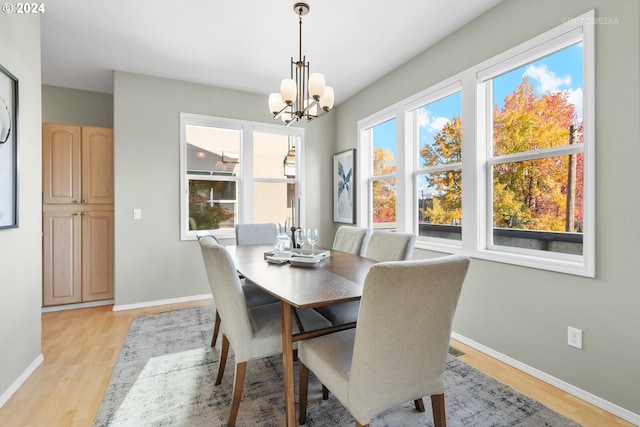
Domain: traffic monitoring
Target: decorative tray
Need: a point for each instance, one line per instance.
(297, 257)
(305, 262)
(317, 254)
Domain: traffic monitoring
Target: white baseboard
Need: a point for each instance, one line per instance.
(53, 308)
(161, 302)
(556, 382)
(4, 398)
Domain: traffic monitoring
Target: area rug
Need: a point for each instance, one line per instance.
(165, 373)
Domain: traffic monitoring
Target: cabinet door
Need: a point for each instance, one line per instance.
(97, 165)
(97, 254)
(61, 145)
(61, 252)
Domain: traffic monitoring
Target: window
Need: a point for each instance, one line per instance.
(438, 126)
(538, 115)
(274, 185)
(383, 182)
(536, 155)
(236, 171)
(379, 137)
(505, 147)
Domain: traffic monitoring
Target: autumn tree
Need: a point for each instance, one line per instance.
(532, 194)
(446, 206)
(528, 194)
(384, 190)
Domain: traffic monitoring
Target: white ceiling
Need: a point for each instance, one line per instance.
(241, 45)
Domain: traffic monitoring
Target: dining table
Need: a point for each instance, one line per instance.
(336, 279)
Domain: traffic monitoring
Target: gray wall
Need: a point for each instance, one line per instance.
(151, 261)
(521, 312)
(21, 248)
(76, 107)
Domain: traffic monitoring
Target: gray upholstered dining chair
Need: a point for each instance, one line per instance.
(387, 245)
(251, 234)
(408, 306)
(351, 239)
(382, 246)
(256, 234)
(252, 332)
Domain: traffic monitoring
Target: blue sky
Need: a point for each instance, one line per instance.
(560, 71)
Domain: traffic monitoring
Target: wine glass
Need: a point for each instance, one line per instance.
(299, 237)
(312, 238)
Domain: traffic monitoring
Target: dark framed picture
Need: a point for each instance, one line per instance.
(344, 190)
(8, 149)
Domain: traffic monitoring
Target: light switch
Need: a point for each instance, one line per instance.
(137, 214)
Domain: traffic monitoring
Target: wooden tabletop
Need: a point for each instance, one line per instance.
(336, 279)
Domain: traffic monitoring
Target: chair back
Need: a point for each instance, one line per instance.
(351, 239)
(256, 234)
(387, 245)
(227, 293)
(408, 306)
(203, 233)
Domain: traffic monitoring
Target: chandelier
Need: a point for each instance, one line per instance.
(304, 94)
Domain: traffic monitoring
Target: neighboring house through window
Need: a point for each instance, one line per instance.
(237, 171)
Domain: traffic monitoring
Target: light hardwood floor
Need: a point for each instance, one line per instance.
(80, 349)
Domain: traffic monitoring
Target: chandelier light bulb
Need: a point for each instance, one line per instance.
(316, 85)
(288, 90)
(326, 100)
(275, 103)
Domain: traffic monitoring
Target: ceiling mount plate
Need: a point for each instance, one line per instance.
(301, 8)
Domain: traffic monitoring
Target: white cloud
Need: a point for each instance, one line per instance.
(548, 81)
(575, 98)
(432, 124)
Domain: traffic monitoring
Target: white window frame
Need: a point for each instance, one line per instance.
(245, 180)
(436, 93)
(476, 155)
(580, 29)
(365, 165)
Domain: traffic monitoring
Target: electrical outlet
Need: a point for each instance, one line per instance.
(574, 337)
(137, 214)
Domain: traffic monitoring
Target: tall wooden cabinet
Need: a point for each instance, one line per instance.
(77, 174)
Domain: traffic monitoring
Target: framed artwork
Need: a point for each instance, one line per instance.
(344, 167)
(8, 149)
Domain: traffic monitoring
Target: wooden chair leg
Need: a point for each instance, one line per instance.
(304, 391)
(419, 405)
(216, 330)
(361, 425)
(222, 363)
(238, 383)
(437, 403)
(325, 392)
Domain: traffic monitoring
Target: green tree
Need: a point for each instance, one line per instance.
(203, 215)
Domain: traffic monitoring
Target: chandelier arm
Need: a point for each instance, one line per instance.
(279, 113)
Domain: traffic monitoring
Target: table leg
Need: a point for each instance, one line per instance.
(287, 362)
